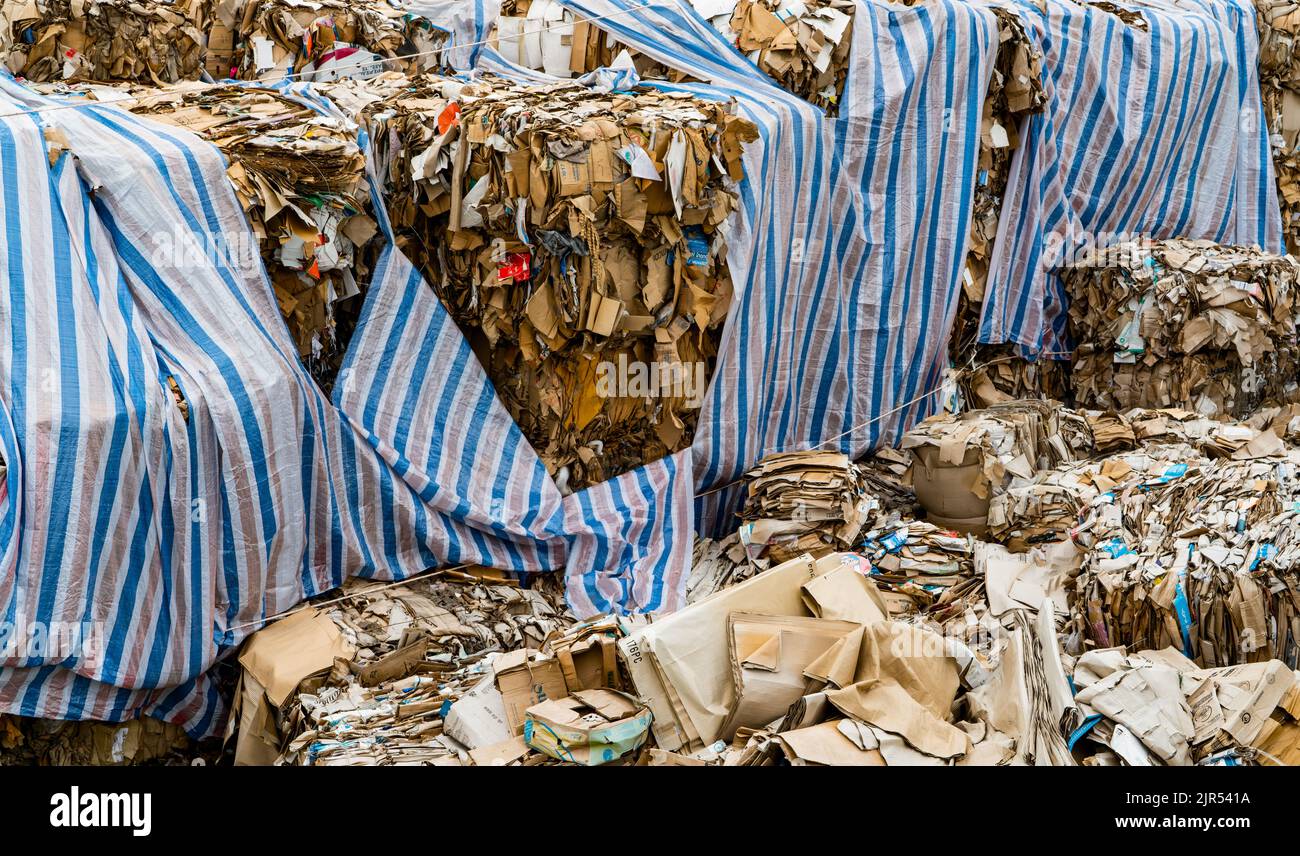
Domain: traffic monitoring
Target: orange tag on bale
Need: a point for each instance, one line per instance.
(448, 117)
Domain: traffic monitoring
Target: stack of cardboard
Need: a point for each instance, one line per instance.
(105, 40)
(300, 177)
(718, 564)
(577, 239)
(1188, 324)
(1279, 84)
(918, 565)
(803, 502)
(1129, 448)
(323, 40)
(414, 674)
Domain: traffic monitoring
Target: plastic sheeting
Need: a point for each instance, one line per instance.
(181, 536)
(137, 542)
(1149, 132)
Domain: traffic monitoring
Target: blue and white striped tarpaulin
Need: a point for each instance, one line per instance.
(1149, 132)
(178, 537)
(137, 543)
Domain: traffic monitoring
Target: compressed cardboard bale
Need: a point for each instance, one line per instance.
(322, 40)
(435, 678)
(1188, 537)
(576, 238)
(104, 40)
(804, 49)
(1184, 324)
(300, 177)
(995, 373)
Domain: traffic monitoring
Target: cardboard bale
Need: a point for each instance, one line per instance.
(323, 40)
(1184, 324)
(1279, 85)
(995, 373)
(577, 239)
(104, 40)
(300, 178)
(443, 670)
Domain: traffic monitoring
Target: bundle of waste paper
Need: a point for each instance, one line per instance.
(300, 177)
(391, 674)
(1048, 506)
(575, 237)
(1187, 324)
(919, 566)
(802, 46)
(320, 40)
(1279, 84)
(803, 502)
(963, 460)
(1157, 707)
(995, 374)
(106, 40)
(1203, 555)
(55, 743)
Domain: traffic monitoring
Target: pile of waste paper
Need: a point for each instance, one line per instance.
(371, 678)
(1132, 598)
(1184, 324)
(1279, 84)
(576, 238)
(804, 47)
(300, 177)
(108, 40)
(1157, 707)
(169, 42)
(320, 40)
